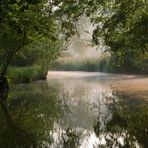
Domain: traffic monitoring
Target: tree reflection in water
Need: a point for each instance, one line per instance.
(128, 127)
(62, 116)
(28, 116)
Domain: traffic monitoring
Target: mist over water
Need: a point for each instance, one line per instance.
(80, 46)
(90, 104)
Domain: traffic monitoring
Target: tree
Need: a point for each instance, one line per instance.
(121, 26)
(21, 23)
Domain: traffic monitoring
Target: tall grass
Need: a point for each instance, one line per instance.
(25, 74)
(85, 65)
(103, 64)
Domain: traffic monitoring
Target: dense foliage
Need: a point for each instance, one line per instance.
(119, 23)
(22, 23)
(124, 31)
(120, 26)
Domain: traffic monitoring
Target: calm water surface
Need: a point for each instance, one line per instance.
(76, 110)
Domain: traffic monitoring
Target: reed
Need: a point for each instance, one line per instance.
(25, 74)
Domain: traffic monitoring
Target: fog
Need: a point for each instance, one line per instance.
(80, 46)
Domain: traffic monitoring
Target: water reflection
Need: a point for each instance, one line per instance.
(78, 112)
(28, 116)
(128, 126)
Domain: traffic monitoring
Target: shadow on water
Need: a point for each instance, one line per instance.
(10, 134)
(128, 127)
(27, 117)
(13, 136)
(72, 113)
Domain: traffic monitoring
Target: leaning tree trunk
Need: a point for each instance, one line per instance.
(8, 57)
(4, 71)
(4, 86)
(3, 79)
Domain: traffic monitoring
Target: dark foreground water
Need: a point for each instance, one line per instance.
(79, 110)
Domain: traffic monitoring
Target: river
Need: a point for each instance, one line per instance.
(77, 110)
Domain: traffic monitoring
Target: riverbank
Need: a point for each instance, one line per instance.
(104, 64)
(25, 74)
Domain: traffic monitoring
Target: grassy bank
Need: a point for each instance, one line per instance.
(87, 65)
(25, 74)
(104, 64)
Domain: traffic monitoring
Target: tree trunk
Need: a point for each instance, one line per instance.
(3, 79)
